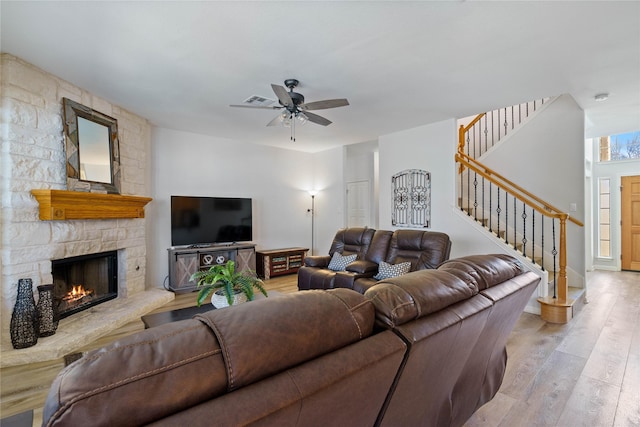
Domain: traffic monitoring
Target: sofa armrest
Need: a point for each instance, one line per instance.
(362, 266)
(320, 261)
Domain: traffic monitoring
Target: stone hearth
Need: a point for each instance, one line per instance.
(82, 328)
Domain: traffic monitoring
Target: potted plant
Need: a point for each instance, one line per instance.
(227, 285)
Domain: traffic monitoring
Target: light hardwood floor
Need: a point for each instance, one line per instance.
(586, 373)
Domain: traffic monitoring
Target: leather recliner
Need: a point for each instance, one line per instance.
(423, 249)
(368, 244)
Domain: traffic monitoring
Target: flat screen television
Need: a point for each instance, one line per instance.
(210, 220)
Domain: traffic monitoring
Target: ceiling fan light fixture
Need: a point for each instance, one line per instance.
(286, 119)
(302, 118)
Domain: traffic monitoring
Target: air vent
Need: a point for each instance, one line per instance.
(259, 101)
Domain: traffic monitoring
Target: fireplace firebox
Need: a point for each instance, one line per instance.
(84, 281)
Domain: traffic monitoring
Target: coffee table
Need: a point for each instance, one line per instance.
(157, 319)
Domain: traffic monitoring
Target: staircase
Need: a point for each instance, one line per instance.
(533, 229)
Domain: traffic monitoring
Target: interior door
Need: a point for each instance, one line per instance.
(358, 204)
(630, 223)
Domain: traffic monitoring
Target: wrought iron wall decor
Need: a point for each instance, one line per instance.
(411, 192)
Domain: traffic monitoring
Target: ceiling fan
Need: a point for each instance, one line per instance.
(294, 108)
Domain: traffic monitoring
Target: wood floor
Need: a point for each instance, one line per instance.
(586, 373)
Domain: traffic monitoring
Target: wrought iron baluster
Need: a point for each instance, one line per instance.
(483, 206)
(519, 113)
(475, 196)
(515, 221)
(468, 176)
(486, 133)
(513, 123)
(461, 193)
(490, 207)
(524, 229)
(542, 238)
(498, 210)
(506, 123)
(506, 217)
(475, 156)
(554, 252)
(533, 235)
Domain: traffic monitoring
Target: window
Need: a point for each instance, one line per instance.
(604, 218)
(622, 146)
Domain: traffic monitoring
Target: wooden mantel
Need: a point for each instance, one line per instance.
(64, 205)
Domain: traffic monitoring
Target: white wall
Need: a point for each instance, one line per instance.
(277, 180)
(429, 148)
(330, 201)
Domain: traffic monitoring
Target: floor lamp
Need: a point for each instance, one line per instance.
(312, 210)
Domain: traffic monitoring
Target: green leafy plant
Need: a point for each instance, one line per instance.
(223, 278)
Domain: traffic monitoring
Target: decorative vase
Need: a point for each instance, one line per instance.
(24, 319)
(219, 300)
(47, 316)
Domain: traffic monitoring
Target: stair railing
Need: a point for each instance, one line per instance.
(496, 202)
(487, 129)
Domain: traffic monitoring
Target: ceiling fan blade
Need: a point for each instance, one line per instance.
(327, 103)
(283, 95)
(319, 120)
(273, 107)
(276, 120)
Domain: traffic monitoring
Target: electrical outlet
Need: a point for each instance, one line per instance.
(573, 207)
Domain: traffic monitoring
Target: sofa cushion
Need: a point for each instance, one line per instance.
(424, 249)
(267, 336)
(387, 271)
(339, 262)
(408, 297)
(355, 240)
(484, 271)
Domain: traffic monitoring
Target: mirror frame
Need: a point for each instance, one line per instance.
(71, 111)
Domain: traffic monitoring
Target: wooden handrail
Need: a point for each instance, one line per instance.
(464, 129)
(501, 181)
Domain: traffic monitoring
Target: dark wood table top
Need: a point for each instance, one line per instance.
(156, 319)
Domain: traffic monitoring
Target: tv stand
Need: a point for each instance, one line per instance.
(186, 260)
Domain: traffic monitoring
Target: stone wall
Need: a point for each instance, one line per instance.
(33, 157)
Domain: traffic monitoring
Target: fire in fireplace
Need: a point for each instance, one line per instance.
(84, 281)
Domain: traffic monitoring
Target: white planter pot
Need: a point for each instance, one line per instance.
(219, 300)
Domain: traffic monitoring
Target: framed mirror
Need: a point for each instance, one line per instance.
(92, 151)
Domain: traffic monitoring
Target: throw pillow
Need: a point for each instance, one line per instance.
(339, 262)
(387, 271)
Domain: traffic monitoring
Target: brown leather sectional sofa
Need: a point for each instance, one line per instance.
(426, 348)
(423, 249)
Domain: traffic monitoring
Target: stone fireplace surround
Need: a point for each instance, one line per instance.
(33, 158)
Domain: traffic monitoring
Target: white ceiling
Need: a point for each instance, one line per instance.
(401, 64)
